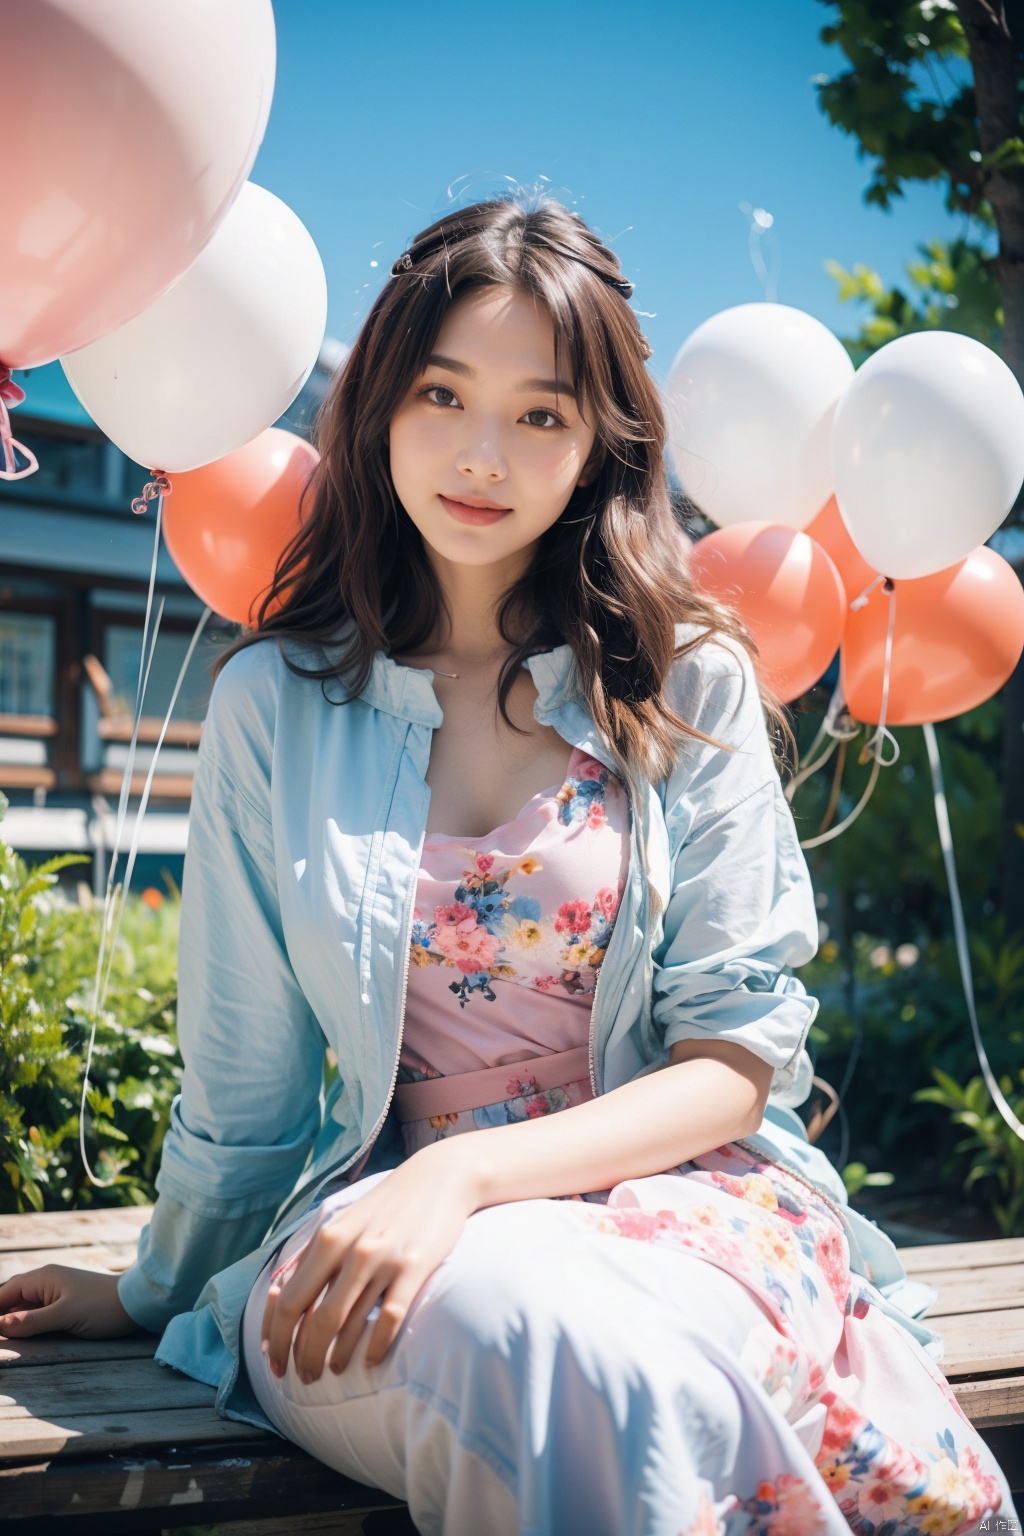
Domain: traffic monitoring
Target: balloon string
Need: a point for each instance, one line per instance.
(114, 898)
(107, 927)
(12, 394)
(963, 953)
(861, 601)
(875, 745)
(836, 725)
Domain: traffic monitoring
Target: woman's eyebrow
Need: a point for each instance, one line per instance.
(528, 387)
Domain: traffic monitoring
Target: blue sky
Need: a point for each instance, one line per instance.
(656, 120)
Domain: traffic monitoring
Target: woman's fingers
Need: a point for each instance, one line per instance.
(366, 1272)
(348, 1336)
(297, 1290)
(30, 1303)
(394, 1309)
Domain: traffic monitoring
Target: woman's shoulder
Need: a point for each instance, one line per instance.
(712, 684)
(244, 703)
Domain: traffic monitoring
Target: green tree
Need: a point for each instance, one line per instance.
(934, 91)
(950, 288)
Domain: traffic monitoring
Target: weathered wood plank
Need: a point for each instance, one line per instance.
(993, 1342)
(996, 1287)
(65, 1229)
(114, 1257)
(63, 1348)
(230, 1481)
(304, 1525)
(998, 1401)
(54, 1391)
(94, 1434)
(975, 1255)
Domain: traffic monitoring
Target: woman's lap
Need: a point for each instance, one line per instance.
(563, 1376)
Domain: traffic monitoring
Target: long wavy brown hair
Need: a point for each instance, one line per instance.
(609, 577)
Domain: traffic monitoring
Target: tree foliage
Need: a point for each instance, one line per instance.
(951, 287)
(908, 98)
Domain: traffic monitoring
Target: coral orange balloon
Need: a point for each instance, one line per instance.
(787, 592)
(227, 523)
(958, 636)
(829, 530)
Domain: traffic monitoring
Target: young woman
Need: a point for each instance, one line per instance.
(487, 802)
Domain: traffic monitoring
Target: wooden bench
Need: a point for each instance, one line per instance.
(96, 1438)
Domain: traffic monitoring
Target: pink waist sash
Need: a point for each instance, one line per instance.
(472, 1090)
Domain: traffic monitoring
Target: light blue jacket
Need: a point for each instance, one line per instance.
(306, 829)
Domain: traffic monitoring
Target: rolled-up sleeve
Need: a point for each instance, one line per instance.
(741, 906)
(249, 1107)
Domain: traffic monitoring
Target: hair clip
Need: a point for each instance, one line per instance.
(403, 264)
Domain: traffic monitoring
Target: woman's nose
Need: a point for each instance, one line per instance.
(482, 455)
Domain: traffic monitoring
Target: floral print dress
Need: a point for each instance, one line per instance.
(860, 1429)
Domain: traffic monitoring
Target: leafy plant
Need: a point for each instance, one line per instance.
(856, 1177)
(48, 949)
(892, 1004)
(995, 1152)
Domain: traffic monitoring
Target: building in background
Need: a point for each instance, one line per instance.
(74, 572)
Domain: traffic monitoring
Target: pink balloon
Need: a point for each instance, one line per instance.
(128, 131)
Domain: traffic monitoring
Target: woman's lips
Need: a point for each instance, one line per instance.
(478, 515)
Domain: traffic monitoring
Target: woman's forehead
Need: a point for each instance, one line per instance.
(504, 332)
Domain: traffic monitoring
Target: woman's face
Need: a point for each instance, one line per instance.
(488, 425)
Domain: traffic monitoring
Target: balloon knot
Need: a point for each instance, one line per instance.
(12, 394)
(861, 602)
(160, 485)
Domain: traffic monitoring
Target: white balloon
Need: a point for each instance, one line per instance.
(927, 451)
(750, 402)
(222, 354)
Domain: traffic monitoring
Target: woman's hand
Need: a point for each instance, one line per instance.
(58, 1299)
(381, 1248)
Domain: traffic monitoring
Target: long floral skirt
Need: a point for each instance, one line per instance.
(686, 1355)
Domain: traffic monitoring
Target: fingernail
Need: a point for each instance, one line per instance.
(276, 1369)
(265, 1346)
(306, 1377)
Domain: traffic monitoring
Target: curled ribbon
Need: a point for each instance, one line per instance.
(875, 745)
(160, 485)
(12, 394)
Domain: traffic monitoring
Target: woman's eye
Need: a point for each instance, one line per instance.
(552, 419)
(433, 390)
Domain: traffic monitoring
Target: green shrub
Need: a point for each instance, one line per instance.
(48, 951)
(892, 1002)
(993, 1150)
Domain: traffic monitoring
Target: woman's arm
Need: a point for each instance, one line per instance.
(711, 1093)
(383, 1247)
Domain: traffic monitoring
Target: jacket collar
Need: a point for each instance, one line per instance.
(408, 692)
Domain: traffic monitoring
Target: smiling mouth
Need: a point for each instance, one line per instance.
(467, 512)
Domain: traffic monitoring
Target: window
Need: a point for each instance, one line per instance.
(123, 651)
(27, 644)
